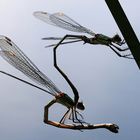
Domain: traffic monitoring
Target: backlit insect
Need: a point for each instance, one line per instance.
(14, 56)
(63, 21)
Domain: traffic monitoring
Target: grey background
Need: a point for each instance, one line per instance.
(107, 84)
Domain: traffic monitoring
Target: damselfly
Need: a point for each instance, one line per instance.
(63, 21)
(14, 56)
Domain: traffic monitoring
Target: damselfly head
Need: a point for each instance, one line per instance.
(116, 38)
(80, 106)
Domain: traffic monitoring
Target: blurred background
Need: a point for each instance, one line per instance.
(108, 85)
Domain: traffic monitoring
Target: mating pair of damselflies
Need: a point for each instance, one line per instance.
(13, 55)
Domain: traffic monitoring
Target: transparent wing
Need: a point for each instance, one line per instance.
(13, 55)
(63, 21)
(59, 38)
(56, 38)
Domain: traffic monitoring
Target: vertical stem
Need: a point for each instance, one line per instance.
(125, 28)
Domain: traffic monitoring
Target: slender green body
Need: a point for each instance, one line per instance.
(65, 100)
(100, 39)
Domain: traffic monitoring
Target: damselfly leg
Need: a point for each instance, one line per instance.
(128, 56)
